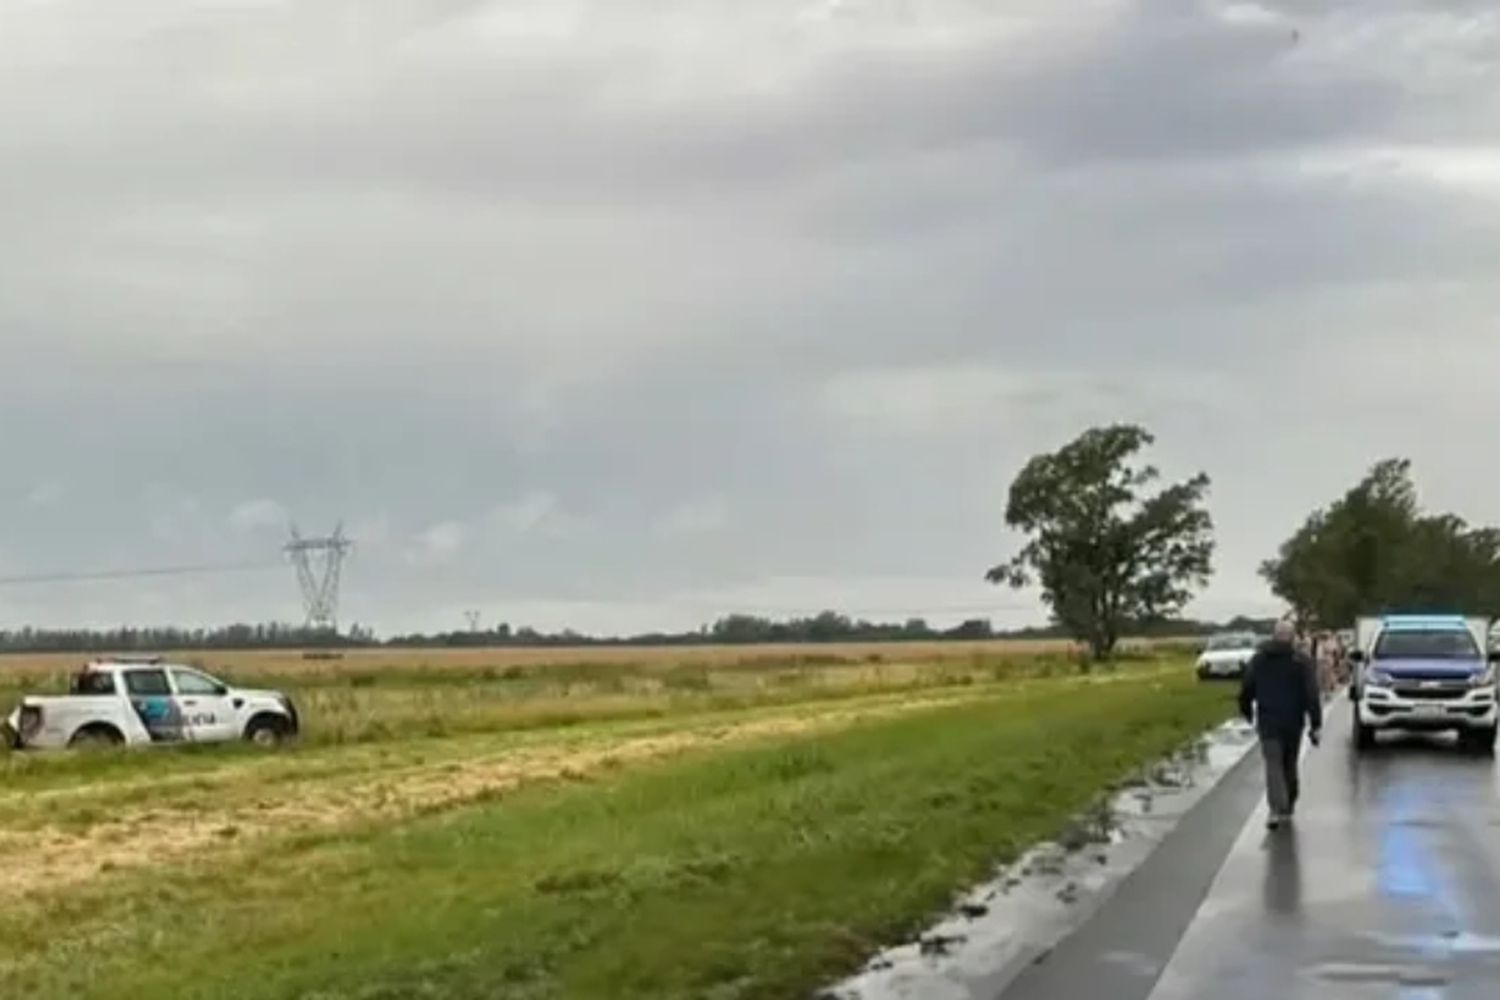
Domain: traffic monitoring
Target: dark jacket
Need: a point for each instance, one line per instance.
(1280, 690)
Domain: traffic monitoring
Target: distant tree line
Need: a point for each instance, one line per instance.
(127, 639)
(734, 629)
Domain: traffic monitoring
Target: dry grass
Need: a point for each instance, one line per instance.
(373, 696)
(254, 663)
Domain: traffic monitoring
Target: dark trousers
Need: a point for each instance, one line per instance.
(1281, 751)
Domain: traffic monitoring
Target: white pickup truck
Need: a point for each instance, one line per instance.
(1425, 673)
(125, 702)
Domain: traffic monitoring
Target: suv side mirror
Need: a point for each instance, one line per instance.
(1357, 656)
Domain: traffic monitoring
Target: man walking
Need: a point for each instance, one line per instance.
(1279, 694)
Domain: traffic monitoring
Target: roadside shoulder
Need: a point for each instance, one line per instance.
(1002, 937)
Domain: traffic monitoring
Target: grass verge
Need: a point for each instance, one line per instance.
(729, 874)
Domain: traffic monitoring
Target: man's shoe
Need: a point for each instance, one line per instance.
(1273, 822)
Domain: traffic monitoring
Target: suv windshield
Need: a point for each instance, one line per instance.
(1419, 644)
(1219, 642)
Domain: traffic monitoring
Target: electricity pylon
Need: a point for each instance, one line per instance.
(320, 567)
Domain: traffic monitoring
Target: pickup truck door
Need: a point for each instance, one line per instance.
(154, 703)
(208, 713)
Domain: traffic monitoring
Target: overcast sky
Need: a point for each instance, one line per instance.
(624, 313)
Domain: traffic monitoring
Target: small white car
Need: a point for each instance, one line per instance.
(125, 702)
(1227, 655)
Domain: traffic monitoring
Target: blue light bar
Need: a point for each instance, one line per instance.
(1398, 623)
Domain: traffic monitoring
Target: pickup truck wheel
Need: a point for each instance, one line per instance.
(266, 731)
(96, 737)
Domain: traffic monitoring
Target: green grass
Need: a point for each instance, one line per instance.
(753, 872)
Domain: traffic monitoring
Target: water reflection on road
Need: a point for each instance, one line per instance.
(1282, 888)
(1388, 885)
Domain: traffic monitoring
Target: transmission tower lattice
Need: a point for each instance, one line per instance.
(320, 567)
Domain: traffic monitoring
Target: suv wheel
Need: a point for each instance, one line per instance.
(1364, 736)
(1478, 741)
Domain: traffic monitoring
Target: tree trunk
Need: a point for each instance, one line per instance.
(1100, 644)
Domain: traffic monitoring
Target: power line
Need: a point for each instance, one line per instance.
(30, 579)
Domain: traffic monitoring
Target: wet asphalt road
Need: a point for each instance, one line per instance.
(1387, 886)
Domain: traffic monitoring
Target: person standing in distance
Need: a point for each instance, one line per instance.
(1280, 695)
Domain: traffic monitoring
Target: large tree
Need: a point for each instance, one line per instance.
(1374, 550)
(1106, 552)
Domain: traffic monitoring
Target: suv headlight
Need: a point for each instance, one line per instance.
(1378, 679)
(1485, 678)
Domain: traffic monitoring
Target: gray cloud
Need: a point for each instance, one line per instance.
(628, 313)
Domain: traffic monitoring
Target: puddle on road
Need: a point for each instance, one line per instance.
(1450, 944)
(1417, 962)
(1014, 920)
(1383, 975)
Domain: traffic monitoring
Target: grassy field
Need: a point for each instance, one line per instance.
(382, 694)
(685, 823)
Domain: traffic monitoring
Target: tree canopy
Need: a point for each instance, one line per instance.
(1107, 553)
(1374, 550)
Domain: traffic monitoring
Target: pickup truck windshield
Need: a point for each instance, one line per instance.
(1437, 644)
(190, 683)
